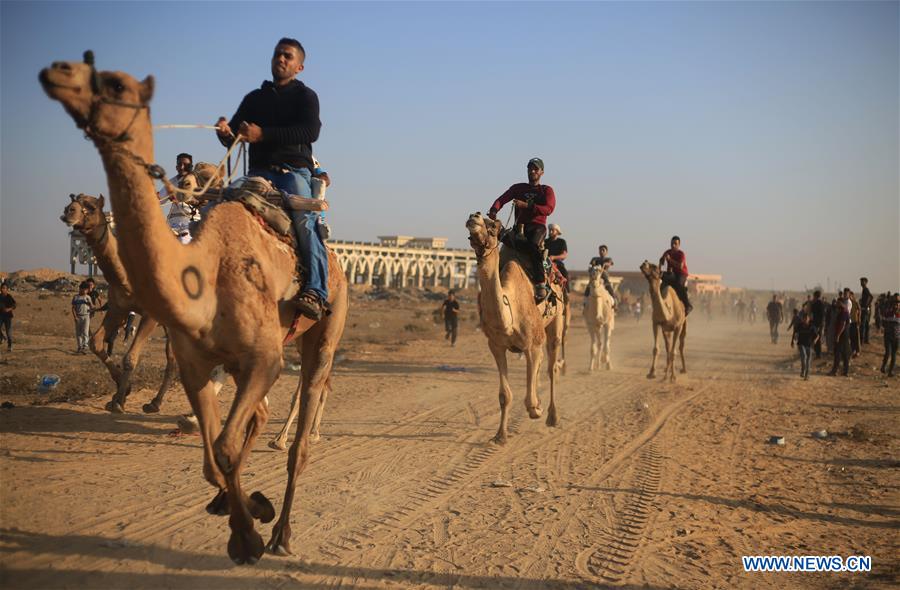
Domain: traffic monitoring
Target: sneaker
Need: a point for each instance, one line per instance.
(309, 305)
(540, 293)
(688, 308)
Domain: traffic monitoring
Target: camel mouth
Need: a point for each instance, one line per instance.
(50, 84)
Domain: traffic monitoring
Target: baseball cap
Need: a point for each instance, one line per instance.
(536, 162)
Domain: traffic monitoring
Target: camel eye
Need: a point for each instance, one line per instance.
(115, 85)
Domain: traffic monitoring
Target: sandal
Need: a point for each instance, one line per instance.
(309, 305)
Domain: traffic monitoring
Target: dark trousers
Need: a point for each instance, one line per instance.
(891, 342)
(534, 235)
(773, 330)
(451, 326)
(818, 345)
(865, 317)
(842, 353)
(6, 330)
(854, 338)
(679, 283)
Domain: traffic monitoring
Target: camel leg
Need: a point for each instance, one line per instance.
(171, 366)
(652, 372)
(201, 395)
(130, 362)
(681, 346)
(319, 345)
(315, 435)
(606, 337)
(111, 321)
(505, 391)
(255, 376)
(669, 339)
(594, 349)
(533, 357)
(554, 338)
(280, 442)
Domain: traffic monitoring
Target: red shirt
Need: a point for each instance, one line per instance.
(544, 202)
(680, 262)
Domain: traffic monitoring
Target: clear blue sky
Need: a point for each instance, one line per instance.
(765, 134)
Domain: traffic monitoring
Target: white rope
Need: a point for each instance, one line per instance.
(172, 190)
(178, 126)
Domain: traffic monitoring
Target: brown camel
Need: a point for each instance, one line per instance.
(225, 298)
(668, 315)
(600, 319)
(85, 214)
(511, 320)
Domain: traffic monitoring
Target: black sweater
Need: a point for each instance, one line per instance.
(289, 118)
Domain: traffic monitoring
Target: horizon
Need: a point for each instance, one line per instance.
(764, 134)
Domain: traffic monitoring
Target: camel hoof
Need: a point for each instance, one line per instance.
(277, 444)
(115, 407)
(608, 367)
(260, 507)
(535, 413)
(552, 420)
(188, 424)
(651, 376)
(314, 437)
(150, 408)
(245, 547)
(499, 439)
(279, 544)
(218, 506)
(683, 371)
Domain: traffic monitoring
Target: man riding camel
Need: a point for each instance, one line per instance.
(676, 274)
(533, 203)
(280, 120)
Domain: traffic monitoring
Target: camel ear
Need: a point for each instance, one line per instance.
(72, 197)
(147, 86)
(100, 201)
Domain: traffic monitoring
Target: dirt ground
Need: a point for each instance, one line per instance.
(643, 485)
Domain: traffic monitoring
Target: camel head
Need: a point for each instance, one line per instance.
(106, 104)
(594, 275)
(484, 233)
(651, 271)
(84, 213)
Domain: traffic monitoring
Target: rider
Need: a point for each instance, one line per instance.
(557, 250)
(677, 272)
(604, 262)
(533, 202)
(181, 214)
(280, 120)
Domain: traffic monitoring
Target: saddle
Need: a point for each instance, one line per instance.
(248, 194)
(517, 248)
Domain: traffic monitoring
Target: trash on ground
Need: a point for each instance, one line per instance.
(500, 483)
(451, 369)
(776, 440)
(821, 434)
(48, 383)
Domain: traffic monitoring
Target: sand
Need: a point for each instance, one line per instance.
(644, 483)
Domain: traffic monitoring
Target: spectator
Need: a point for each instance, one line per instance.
(450, 308)
(775, 313)
(865, 309)
(7, 305)
(817, 309)
(890, 322)
(81, 313)
(855, 317)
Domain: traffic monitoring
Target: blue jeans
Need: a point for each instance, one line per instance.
(804, 360)
(309, 245)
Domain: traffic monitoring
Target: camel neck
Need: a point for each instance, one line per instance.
(656, 298)
(105, 248)
(493, 308)
(149, 251)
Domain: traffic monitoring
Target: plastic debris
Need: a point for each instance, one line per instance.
(820, 434)
(48, 383)
(776, 440)
(500, 483)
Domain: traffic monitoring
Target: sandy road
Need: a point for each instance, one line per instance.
(400, 491)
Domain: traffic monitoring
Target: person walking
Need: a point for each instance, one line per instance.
(805, 334)
(775, 313)
(817, 309)
(842, 335)
(450, 309)
(81, 314)
(7, 305)
(890, 323)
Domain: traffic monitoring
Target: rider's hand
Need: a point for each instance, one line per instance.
(251, 131)
(492, 215)
(324, 177)
(520, 204)
(222, 128)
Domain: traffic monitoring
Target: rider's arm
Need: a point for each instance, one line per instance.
(502, 200)
(549, 204)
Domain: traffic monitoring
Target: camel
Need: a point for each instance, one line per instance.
(85, 214)
(669, 316)
(225, 298)
(600, 319)
(511, 320)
